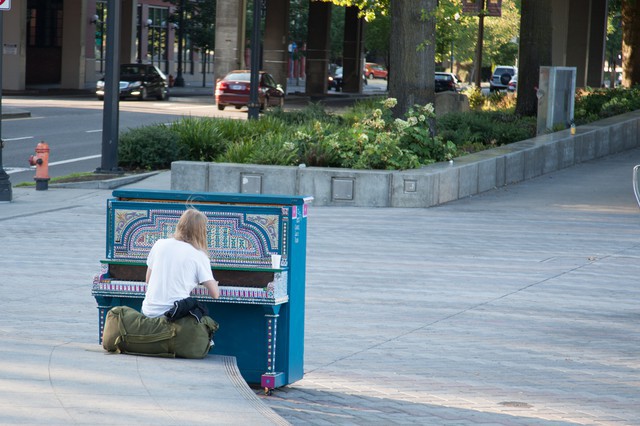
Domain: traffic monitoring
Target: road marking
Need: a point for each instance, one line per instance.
(11, 170)
(18, 139)
(73, 160)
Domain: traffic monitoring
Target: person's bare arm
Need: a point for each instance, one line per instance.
(212, 287)
(148, 275)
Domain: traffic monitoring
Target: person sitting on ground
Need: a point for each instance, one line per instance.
(175, 266)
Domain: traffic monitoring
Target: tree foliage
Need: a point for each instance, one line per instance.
(613, 47)
(376, 39)
(199, 21)
(368, 8)
(500, 33)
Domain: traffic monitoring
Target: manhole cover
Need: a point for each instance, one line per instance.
(516, 404)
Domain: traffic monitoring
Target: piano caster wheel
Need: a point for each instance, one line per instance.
(268, 392)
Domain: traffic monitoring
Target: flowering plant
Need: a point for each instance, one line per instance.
(380, 142)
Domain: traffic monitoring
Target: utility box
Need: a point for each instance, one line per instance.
(556, 97)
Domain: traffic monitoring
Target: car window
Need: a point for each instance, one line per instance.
(500, 71)
(443, 77)
(157, 71)
(239, 76)
(131, 70)
(269, 81)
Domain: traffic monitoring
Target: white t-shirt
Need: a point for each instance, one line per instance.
(176, 269)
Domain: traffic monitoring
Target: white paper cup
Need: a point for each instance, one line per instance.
(275, 261)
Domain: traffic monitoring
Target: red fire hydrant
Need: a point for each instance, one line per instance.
(41, 161)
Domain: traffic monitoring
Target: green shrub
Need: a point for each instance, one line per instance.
(318, 145)
(476, 98)
(381, 142)
(361, 108)
(149, 148)
(367, 136)
(202, 139)
(490, 128)
(238, 152)
(309, 114)
(275, 149)
(594, 104)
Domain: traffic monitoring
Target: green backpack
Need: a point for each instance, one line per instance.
(128, 331)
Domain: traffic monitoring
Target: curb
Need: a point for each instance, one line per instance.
(9, 113)
(107, 183)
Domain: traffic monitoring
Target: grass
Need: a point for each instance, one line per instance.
(74, 177)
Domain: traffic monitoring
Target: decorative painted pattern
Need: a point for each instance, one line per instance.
(235, 238)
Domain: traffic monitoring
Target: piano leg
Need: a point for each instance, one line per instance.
(271, 379)
(104, 305)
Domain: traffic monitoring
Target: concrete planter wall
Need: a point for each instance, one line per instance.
(428, 186)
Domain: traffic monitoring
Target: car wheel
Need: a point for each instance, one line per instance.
(505, 79)
(220, 107)
(281, 102)
(371, 76)
(162, 94)
(264, 104)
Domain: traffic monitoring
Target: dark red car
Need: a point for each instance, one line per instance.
(233, 89)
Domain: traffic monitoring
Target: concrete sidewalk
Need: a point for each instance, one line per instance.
(52, 369)
(516, 307)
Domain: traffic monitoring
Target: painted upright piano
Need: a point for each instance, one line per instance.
(261, 307)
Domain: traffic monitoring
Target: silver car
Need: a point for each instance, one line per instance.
(501, 77)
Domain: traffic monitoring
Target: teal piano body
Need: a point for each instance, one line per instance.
(261, 307)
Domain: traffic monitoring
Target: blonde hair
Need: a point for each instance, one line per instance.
(192, 229)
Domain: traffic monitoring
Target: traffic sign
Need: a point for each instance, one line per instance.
(5, 4)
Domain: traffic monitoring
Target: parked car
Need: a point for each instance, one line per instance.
(372, 70)
(234, 89)
(139, 81)
(502, 74)
(513, 84)
(447, 82)
(336, 80)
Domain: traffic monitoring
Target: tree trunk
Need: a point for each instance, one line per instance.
(535, 51)
(412, 56)
(630, 43)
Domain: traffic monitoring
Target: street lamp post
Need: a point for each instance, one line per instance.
(179, 79)
(455, 17)
(5, 183)
(478, 55)
(254, 105)
(451, 61)
(110, 116)
(151, 31)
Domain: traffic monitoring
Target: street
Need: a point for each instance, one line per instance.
(72, 127)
